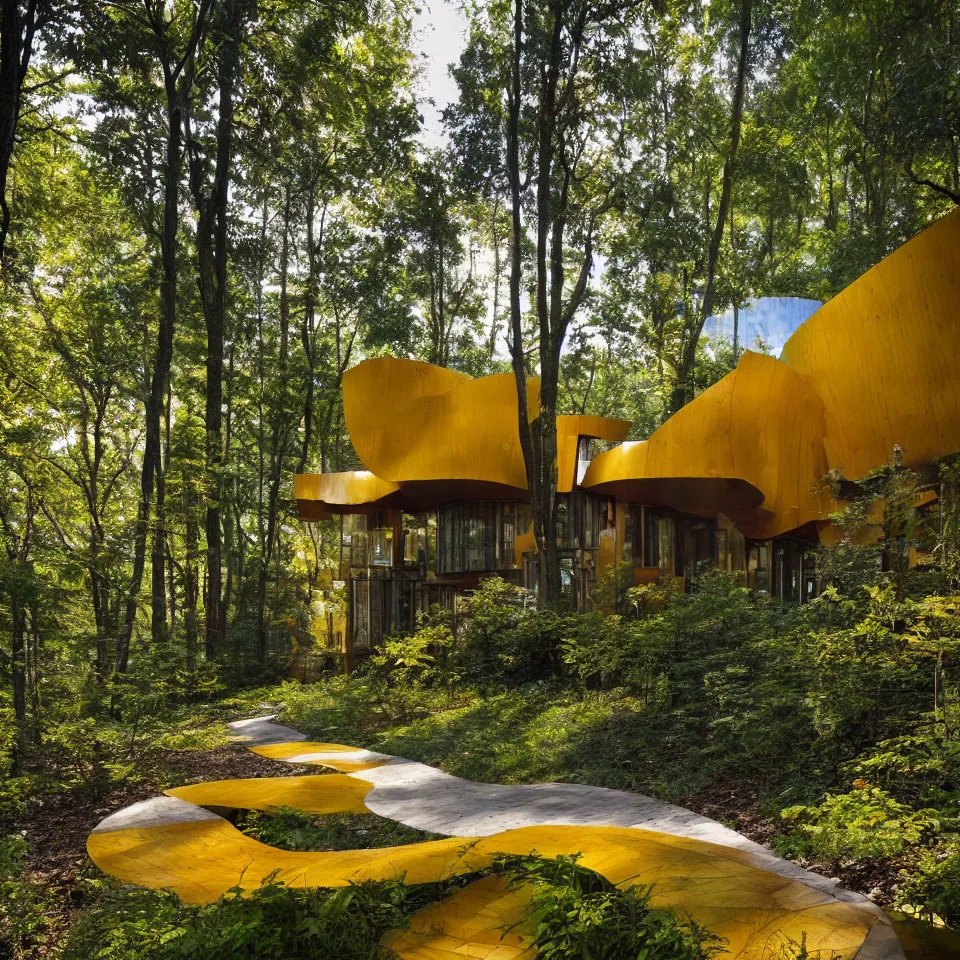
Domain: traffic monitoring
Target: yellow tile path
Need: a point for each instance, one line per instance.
(177, 842)
(334, 793)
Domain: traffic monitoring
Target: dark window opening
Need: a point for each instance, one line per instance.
(477, 536)
(659, 535)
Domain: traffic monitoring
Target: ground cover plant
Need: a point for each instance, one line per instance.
(293, 830)
(576, 913)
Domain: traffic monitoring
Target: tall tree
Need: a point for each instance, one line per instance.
(683, 390)
(559, 75)
(159, 46)
(209, 189)
(20, 27)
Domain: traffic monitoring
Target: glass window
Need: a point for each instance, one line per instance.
(591, 522)
(428, 562)
(720, 548)
(666, 532)
(380, 547)
(412, 533)
(563, 520)
(811, 580)
(628, 529)
(659, 536)
(651, 540)
(507, 535)
(759, 566)
(477, 536)
(524, 517)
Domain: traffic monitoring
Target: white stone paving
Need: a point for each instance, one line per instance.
(261, 731)
(428, 799)
(155, 812)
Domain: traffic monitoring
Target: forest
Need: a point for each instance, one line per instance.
(210, 210)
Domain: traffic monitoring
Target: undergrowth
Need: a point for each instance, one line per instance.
(292, 830)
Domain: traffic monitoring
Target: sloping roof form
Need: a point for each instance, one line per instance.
(878, 365)
(884, 356)
(755, 437)
(411, 421)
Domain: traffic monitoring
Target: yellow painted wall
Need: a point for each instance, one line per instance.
(752, 443)
(884, 356)
(569, 431)
(410, 421)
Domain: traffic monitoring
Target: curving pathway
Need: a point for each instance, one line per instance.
(758, 902)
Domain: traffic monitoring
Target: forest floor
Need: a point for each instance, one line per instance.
(737, 806)
(474, 739)
(57, 827)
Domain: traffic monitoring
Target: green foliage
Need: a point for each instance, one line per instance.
(922, 767)
(577, 913)
(495, 638)
(866, 822)
(932, 888)
(292, 830)
(22, 904)
(418, 657)
(272, 923)
(610, 593)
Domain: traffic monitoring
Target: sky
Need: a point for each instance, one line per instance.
(439, 30)
(439, 37)
(772, 319)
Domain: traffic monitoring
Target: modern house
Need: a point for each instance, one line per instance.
(733, 479)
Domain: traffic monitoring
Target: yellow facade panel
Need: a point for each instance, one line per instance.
(569, 430)
(410, 421)
(884, 356)
(754, 438)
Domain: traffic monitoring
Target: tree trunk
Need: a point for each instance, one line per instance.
(306, 333)
(495, 319)
(212, 279)
(683, 389)
(516, 255)
(18, 616)
(33, 673)
(190, 584)
(17, 36)
(159, 387)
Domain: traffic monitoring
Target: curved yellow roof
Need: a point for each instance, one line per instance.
(347, 492)
(411, 421)
(884, 356)
(569, 430)
(878, 365)
(753, 438)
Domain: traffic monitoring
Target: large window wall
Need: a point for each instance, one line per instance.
(580, 518)
(368, 540)
(479, 535)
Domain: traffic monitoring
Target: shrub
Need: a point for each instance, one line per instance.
(920, 767)
(577, 913)
(611, 592)
(21, 902)
(272, 923)
(933, 888)
(866, 822)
